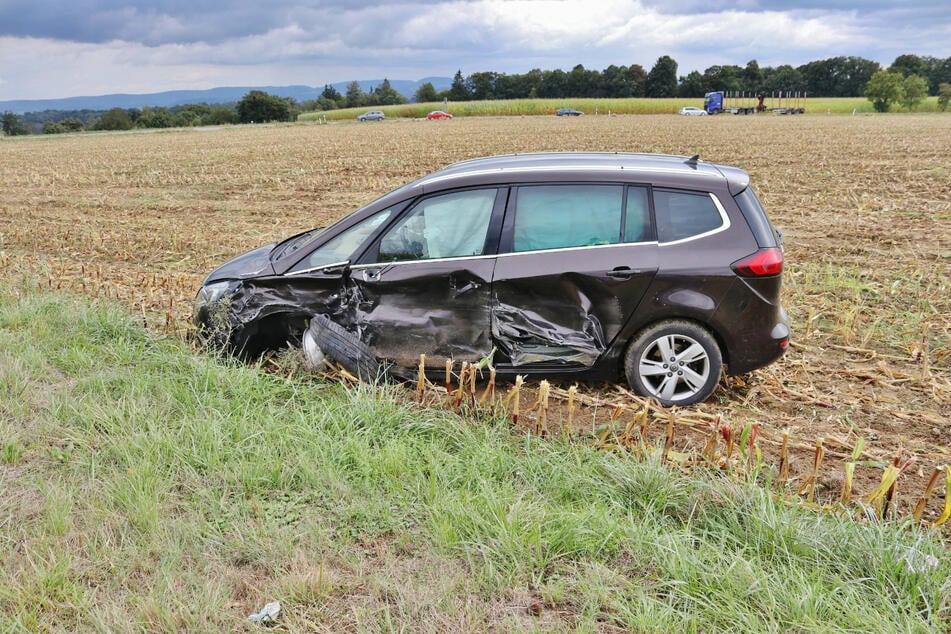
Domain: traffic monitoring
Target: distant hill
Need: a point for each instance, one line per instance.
(172, 98)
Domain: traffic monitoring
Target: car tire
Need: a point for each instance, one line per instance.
(314, 357)
(345, 348)
(675, 362)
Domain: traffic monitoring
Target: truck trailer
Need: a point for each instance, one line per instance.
(719, 102)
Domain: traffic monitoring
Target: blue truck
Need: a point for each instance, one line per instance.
(715, 103)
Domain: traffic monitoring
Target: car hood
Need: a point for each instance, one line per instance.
(254, 263)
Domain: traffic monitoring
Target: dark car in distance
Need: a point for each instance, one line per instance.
(568, 112)
(659, 269)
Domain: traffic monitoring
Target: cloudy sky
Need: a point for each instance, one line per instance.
(57, 48)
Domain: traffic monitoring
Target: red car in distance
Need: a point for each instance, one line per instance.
(438, 114)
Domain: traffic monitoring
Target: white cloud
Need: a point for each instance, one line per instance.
(550, 24)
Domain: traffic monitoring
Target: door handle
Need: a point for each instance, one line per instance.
(370, 275)
(340, 269)
(622, 272)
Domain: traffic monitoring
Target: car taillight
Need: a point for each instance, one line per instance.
(763, 263)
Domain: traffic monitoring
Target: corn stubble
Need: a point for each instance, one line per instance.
(864, 203)
(635, 426)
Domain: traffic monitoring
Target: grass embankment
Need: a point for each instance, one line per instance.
(143, 487)
(518, 107)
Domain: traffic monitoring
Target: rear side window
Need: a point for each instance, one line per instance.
(560, 216)
(682, 215)
(637, 216)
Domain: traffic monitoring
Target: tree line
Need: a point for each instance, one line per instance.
(833, 77)
(355, 97)
(256, 106)
(906, 81)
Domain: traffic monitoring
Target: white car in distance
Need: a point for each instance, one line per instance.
(692, 111)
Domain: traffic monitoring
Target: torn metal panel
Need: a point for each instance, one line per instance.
(262, 297)
(543, 315)
(526, 336)
(440, 308)
(252, 315)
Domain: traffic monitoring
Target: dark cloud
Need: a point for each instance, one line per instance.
(178, 21)
(94, 21)
(365, 23)
(48, 46)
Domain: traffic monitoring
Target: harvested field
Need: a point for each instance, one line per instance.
(864, 202)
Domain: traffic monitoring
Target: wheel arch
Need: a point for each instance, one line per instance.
(662, 361)
(271, 332)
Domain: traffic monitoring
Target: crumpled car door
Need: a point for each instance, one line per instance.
(575, 261)
(425, 285)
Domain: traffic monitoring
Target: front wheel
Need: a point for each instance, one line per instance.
(344, 347)
(676, 362)
(314, 359)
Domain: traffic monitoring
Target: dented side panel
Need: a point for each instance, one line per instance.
(542, 315)
(440, 307)
(293, 299)
(266, 296)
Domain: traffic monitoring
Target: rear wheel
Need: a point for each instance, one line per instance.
(676, 362)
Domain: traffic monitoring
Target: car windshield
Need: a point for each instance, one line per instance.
(295, 243)
(340, 247)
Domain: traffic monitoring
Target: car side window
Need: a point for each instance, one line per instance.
(444, 226)
(637, 216)
(342, 246)
(560, 216)
(683, 214)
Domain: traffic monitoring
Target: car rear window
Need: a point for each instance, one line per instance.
(682, 215)
(756, 218)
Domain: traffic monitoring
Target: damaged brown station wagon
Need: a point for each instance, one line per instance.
(659, 269)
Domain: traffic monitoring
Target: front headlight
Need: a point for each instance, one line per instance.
(211, 304)
(211, 293)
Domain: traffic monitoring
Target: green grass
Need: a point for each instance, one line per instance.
(522, 107)
(144, 487)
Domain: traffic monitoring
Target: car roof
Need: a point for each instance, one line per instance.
(662, 169)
